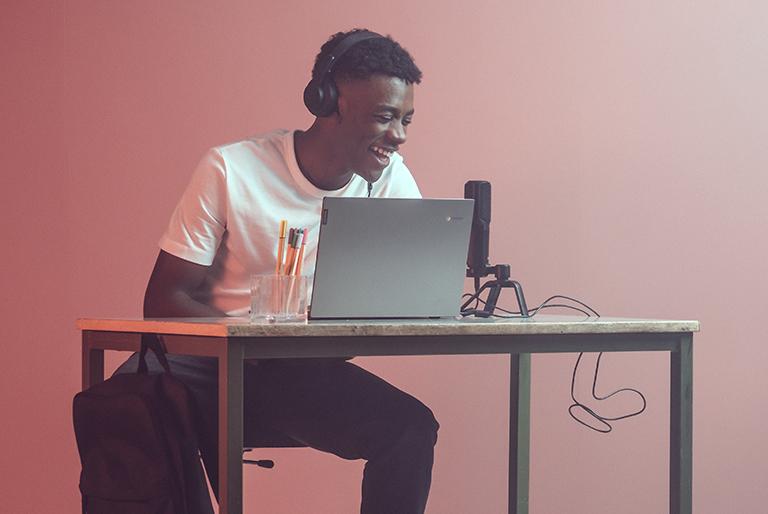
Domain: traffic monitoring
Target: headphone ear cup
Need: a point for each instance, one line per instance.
(313, 97)
(320, 98)
(330, 99)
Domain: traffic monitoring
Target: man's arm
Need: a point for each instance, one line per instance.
(170, 289)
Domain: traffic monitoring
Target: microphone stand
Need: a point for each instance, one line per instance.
(501, 281)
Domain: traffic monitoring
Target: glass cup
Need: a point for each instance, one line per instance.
(278, 298)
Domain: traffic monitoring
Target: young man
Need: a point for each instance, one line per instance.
(224, 229)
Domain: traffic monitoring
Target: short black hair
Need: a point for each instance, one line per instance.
(378, 56)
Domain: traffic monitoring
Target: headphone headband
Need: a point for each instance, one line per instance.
(341, 48)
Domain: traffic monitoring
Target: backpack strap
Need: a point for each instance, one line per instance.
(154, 343)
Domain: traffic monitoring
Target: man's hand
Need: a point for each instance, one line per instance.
(171, 287)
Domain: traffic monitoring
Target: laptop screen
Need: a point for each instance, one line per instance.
(391, 258)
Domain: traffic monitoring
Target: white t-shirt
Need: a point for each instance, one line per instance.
(229, 216)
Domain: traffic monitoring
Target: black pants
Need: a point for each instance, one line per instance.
(331, 405)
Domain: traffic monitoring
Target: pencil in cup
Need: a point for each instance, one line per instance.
(300, 258)
(297, 283)
(280, 245)
(275, 292)
(286, 290)
(284, 268)
(290, 252)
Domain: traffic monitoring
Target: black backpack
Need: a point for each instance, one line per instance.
(138, 445)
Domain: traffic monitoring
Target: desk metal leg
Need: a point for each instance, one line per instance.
(519, 431)
(93, 362)
(681, 428)
(231, 427)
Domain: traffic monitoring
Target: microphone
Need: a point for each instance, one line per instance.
(477, 256)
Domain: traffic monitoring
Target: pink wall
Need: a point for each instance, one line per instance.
(626, 145)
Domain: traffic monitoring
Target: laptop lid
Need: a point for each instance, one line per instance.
(391, 258)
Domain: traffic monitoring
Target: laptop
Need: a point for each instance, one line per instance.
(391, 258)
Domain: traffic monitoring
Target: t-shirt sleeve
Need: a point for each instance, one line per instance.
(198, 223)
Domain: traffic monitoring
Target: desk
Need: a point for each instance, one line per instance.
(232, 340)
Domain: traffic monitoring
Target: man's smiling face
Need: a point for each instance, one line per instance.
(374, 114)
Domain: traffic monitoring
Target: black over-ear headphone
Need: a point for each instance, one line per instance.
(321, 95)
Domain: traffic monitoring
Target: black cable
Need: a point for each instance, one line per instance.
(532, 312)
(475, 295)
(574, 300)
(543, 305)
(535, 310)
(604, 420)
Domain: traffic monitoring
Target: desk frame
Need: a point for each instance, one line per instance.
(231, 351)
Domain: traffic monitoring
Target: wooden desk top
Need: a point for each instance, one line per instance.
(242, 327)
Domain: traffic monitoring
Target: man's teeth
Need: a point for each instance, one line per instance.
(381, 151)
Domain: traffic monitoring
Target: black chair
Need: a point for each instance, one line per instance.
(269, 439)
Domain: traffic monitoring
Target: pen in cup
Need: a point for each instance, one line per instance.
(298, 242)
(280, 246)
(290, 250)
(300, 259)
(288, 287)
